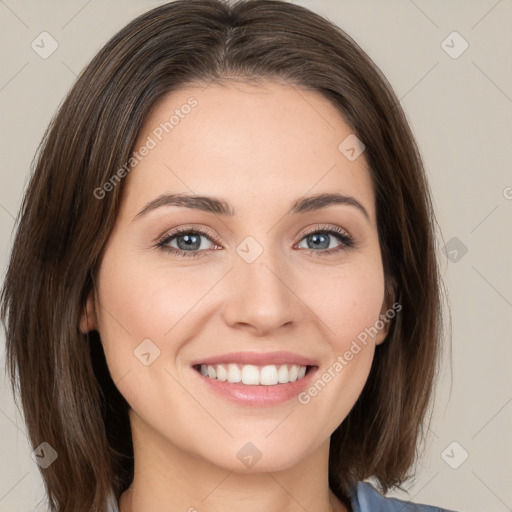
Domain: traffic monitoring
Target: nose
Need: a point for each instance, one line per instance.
(259, 296)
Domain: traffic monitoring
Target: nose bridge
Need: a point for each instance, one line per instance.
(260, 294)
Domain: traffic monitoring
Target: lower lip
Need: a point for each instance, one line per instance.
(258, 395)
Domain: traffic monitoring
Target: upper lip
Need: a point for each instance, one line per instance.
(258, 359)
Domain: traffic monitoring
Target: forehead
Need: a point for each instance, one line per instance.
(250, 144)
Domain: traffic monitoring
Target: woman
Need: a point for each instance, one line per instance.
(233, 296)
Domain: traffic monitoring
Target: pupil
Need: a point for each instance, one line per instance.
(317, 242)
(189, 241)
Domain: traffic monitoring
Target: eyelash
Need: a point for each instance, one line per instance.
(347, 242)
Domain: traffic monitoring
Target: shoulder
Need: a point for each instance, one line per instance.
(365, 498)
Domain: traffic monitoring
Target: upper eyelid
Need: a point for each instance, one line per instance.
(179, 231)
(325, 227)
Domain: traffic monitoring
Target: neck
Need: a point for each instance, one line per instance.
(168, 478)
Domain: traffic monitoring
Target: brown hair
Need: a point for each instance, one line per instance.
(68, 397)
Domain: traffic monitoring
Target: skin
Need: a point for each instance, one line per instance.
(259, 148)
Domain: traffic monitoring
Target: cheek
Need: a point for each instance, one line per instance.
(348, 305)
(146, 300)
(146, 314)
(348, 301)
(140, 302)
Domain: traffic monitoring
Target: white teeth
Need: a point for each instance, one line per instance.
(222, 373)
(268, 375)
(252, 375)
(234, 373)
(283, 374)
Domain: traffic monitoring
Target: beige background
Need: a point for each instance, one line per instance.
(460, 110)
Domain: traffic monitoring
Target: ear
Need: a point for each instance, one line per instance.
(88, 318)
(387, 312)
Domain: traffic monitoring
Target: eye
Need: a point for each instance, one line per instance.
(322, 238)
(187, 242)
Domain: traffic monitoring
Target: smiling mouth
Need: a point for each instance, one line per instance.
(252, 375)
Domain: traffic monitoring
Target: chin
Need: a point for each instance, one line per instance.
(258, 456)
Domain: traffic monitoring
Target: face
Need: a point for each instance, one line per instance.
(261, 284)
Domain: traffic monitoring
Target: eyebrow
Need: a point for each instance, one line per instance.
(221, 207)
